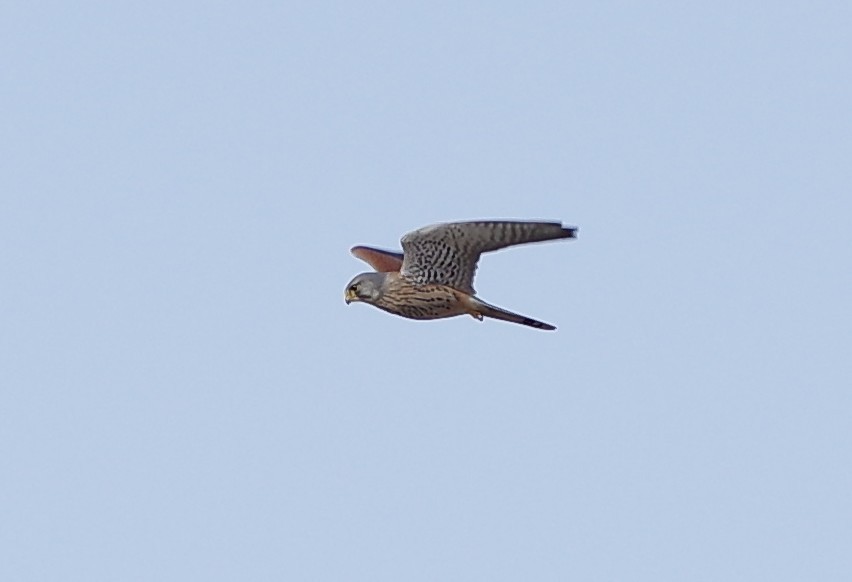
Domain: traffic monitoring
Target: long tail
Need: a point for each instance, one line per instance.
(482, 308)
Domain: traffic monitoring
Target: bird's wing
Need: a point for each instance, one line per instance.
(381, 260)
(447, 253)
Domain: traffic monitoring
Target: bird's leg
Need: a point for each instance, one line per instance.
(468, 305)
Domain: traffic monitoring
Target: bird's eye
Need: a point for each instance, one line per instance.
(353, 288)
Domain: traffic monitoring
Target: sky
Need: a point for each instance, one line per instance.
(184, 394)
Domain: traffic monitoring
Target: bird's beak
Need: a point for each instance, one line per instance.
(349, 297)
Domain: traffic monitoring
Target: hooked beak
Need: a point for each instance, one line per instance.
(349, 296)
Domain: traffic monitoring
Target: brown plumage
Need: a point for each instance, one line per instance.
(433, 278)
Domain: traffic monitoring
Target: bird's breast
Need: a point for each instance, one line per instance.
(429, 301)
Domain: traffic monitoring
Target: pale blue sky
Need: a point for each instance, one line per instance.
(185, 395)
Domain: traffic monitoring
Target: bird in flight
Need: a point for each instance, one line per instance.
(433, 277)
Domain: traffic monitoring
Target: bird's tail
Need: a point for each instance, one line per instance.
(482, 308)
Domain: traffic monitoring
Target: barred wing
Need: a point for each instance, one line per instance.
(447, 253)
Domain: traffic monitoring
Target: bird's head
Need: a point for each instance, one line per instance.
(365, 287)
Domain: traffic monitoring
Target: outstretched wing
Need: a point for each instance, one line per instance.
(447, 253)
(381, 260)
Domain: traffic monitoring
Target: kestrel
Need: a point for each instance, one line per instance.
(433, 277)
